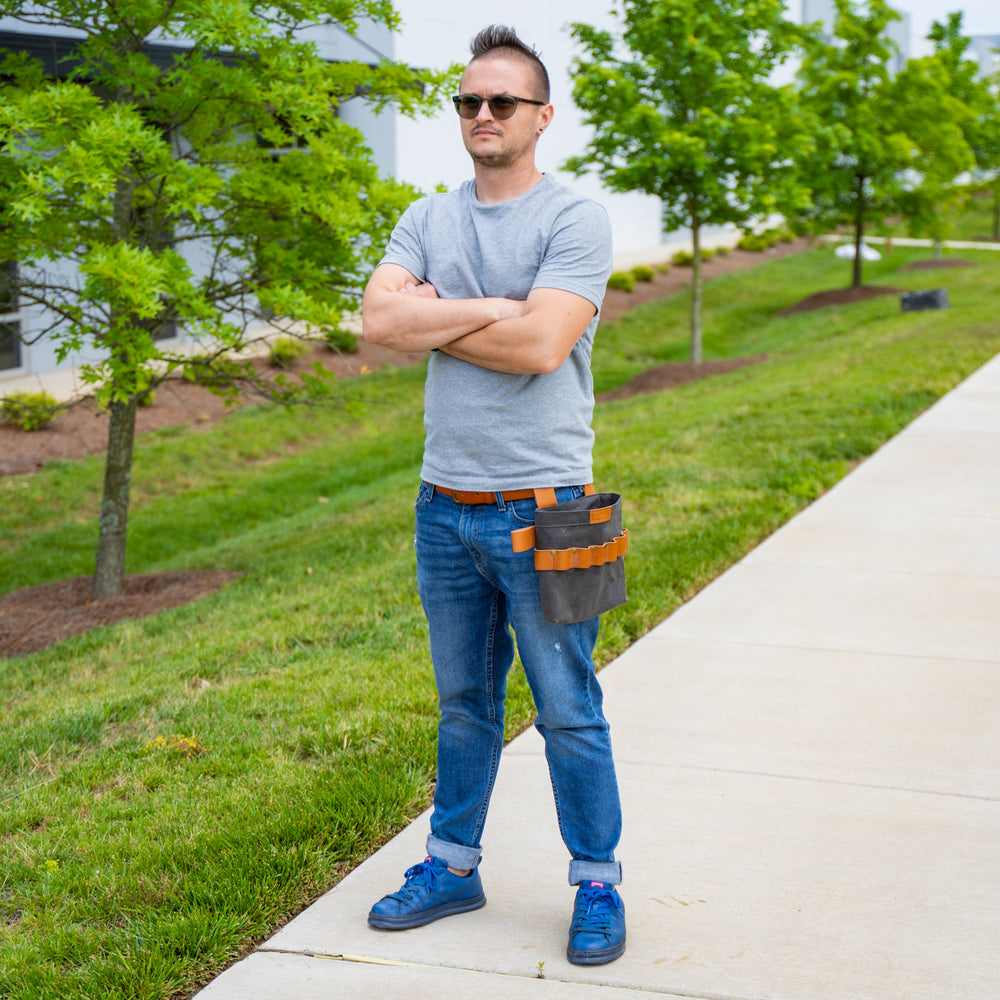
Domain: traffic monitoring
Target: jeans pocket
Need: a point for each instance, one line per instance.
(522, 512)
(424, 495)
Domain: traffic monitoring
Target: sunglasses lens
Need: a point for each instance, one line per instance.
(468, 107)
(502, 107)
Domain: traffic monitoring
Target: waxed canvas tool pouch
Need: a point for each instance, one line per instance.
(580, 557)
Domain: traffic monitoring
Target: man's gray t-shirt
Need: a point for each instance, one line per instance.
(490, 430)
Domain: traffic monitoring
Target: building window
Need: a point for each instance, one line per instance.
(10, 326)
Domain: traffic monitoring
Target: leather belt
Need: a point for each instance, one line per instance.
(479, 496)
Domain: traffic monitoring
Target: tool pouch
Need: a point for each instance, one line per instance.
(579, 554)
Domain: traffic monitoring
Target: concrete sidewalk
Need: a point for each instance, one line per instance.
(809, 755)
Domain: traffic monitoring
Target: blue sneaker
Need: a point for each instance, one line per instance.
(429, 892)
(597, 934)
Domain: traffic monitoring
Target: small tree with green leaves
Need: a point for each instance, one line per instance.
(988, 151)
(187, 166)
(935, 119)
(862, 151)
(682, 107)
(981, 96)
(944, 107)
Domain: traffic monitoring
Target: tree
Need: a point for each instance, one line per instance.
(187, 166)
(856, 174)
(947, 110)
(981, 96)
(988, 152)
(937, 121)
(682, 108)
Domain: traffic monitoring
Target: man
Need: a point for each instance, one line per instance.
(503, 280)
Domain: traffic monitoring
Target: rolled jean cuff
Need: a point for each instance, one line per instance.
(608, 872)
(453, 855)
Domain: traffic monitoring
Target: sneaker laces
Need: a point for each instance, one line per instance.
(423, 874)
(595, 910)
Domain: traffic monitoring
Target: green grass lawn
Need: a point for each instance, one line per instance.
(176, 787)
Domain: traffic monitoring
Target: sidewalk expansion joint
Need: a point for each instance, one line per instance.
(372, 960)
(809, 779)
(360, 959)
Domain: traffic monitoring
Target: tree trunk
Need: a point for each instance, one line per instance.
(109, 575)
(696, 292)
(859, 232)
(859, 229)
(996, 211)
(938, 250)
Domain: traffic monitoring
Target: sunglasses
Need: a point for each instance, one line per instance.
(502, 106)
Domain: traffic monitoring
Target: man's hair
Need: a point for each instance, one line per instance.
(499, 40)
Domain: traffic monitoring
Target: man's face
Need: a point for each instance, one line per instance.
(500, 144)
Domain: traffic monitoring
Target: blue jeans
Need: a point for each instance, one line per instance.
(475, 589)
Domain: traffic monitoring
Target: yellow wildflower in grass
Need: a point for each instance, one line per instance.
(183, 746)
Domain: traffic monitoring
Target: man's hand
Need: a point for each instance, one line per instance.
(424, 288)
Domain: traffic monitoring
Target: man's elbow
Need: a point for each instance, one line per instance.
(370, 331)
(546, 362)
(374, 329)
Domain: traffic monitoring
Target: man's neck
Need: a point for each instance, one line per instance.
(495, 186)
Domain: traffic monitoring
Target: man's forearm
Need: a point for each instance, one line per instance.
(510, 346)
(535, 343)
(415, 322)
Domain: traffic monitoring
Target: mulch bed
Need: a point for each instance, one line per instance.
(36, 617)
(839, 297)
(674, 373)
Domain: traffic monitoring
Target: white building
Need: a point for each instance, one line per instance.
(985, 49)
(425, 152)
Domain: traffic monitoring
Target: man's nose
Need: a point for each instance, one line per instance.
(484, 112)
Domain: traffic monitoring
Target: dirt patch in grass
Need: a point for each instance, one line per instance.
(839, 297)
(674, 373)
(37, 617)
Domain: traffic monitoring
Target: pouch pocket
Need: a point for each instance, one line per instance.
(580, 551)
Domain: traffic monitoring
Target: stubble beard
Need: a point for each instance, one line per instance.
(501, 159)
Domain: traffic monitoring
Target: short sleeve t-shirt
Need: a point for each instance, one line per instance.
(492, 430)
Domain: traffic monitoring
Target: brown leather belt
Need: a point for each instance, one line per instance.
(544, 497)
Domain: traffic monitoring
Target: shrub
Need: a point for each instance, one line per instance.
(212, 370)
(622, 281)
(664, 267)
(286, 350)
(341, 340)
(721, 251)
(29, 410)
(642, 273)
(707, 254)
(683, 258)
(756, 242)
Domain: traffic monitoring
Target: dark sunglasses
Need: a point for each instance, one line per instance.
(502, 106)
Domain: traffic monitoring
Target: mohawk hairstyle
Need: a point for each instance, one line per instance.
(499, 40)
